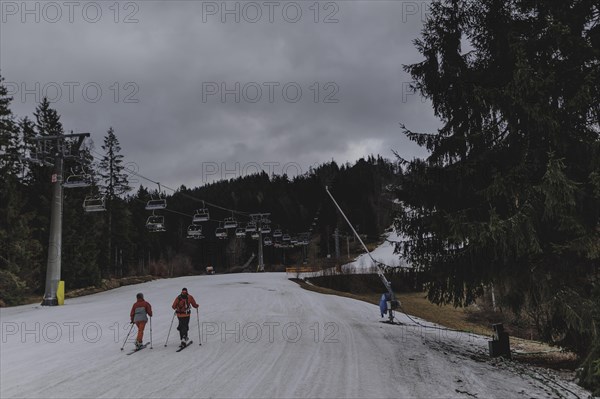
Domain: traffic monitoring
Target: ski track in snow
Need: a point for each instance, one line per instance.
(310, 345)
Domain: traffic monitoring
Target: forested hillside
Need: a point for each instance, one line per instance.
(120, 240)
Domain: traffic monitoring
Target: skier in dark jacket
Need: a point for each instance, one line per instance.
(139, 315)
(182, 306)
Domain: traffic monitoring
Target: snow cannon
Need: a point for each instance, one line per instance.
(388, 303)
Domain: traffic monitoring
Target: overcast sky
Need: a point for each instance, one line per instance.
(200, 90)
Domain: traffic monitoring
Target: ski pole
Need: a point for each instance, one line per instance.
(151, 332)
(169, 333)
(199, 336)
(127, 336)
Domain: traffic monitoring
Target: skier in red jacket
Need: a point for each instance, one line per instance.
(182, 306)
(139, 315)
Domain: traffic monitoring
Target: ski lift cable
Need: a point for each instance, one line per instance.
(167, 209)
(133, 172)
(180, 213)
(173, 190)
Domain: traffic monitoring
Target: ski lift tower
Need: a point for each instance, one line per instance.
(51, 151)
(258, 218)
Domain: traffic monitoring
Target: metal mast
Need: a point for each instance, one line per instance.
(59, 150)
(259, 218)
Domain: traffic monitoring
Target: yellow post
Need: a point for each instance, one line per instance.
(60, 293)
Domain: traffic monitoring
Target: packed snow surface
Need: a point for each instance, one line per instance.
(262, 336)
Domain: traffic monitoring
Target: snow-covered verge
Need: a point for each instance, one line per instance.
(363, 264)
(384, 254)
(262, 336)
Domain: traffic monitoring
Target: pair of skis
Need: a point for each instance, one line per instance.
(138, 349)
(148, 343)
(185, 345)
(182, 347)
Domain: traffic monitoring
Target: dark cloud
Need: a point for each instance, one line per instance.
(154, 81)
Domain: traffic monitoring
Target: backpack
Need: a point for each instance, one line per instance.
(183, 305)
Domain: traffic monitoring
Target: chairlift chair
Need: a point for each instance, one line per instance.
(250, 227)
(155, 204)
(194, 230)
(94, 204)
(268, 241)
(221, 233)
(157, 229)
(201, 215)
(277, 233)
(76, 181)
(156, 223)
(266, 229)
(230, 223)
(286, 237)
(240, 232)
(255, 235)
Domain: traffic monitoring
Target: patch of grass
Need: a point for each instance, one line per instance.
(104, 286)
(416, 304)
(329, 291)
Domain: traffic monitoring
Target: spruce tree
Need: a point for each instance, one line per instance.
(9, 135)
(27, 148)
(112, 171)
(114, 183)
(20, 254)
(510, 191)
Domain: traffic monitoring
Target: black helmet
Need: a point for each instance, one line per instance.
(140, 295)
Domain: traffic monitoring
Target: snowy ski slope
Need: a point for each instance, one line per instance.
(262, 337)
(384, 253)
